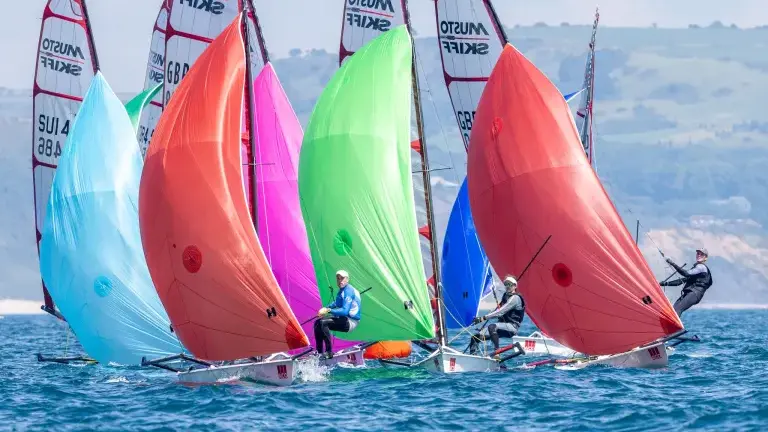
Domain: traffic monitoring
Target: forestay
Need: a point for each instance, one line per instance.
(91, 255)
(66, 63)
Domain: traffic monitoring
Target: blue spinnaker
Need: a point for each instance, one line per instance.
(91, 256)
(466, 272)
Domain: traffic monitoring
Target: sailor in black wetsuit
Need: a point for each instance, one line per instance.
(697, 280)
(510, 314)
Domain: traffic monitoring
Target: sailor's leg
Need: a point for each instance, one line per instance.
(494, 336)
(476, 339)
(687, 300)
(322, 335)
(506, 330)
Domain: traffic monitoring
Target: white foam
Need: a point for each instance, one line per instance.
(310, 370)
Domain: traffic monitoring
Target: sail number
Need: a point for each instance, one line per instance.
(176, 72)
(48, 147)
(466, 119)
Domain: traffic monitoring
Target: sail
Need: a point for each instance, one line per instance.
(365, 20)
(199, 239)
(584, 112)
(136, 106)
(528, 177)
(154, 77)
(192, 26)
(90, 255)
(355, 187)
(465, 270)
(282, 232)
(66, 63)
(471, 39)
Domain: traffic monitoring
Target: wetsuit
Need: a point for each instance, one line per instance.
(344, 317)
(509, 315)
(697, 280)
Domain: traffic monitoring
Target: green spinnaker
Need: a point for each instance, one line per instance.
(357, 193)
(141, 100)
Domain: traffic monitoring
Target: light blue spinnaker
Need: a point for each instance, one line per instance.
(91, 257)
(466, 272)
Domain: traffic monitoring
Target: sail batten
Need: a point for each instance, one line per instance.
(528, 177)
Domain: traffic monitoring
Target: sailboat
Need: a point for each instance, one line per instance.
(66, 63)
(90, 253)
(590, 288)
(355, 187)
(471, 38)
(283, 236)
(199, 237)
(154, 77)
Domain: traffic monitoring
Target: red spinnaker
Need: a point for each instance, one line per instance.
(198, 236)
(590, 287)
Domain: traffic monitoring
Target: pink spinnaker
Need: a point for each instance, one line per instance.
(283, 235)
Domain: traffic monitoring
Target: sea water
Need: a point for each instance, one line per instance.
(720, 384)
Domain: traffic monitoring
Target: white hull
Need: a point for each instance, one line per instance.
(539, 344)
(352, 355)
(276, 370)
(448, 360)
(654, 356)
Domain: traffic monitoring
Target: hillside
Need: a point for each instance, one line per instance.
(682, 143)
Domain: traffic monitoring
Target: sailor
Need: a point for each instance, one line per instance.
(510, 314)
(697, 280)
(342, 315)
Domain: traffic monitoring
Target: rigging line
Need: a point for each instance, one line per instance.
(444, 137)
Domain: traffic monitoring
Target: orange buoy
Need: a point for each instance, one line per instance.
(388, 350)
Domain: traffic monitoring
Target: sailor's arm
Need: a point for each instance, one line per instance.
(512, 303)
(344, 309)
(673, 282)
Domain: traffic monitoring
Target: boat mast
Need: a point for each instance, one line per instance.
(497, 23)
(422, 149)
(589, 83)
(249, 109)
(259, 35)
(88, 29)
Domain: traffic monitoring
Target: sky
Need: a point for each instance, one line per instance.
(122, 29)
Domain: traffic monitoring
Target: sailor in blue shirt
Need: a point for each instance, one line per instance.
(342, 315)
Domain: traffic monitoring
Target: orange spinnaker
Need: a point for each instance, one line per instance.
(198, 237)
(529, 178)
(388, 350)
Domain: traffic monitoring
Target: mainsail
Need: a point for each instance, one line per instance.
(155, 74)
(66, 63)
(355, 186)
(198, 236)
(589, 288)
(471, 39)
(90, 254)
(281, 227)
(365, 20)
(584, 112)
